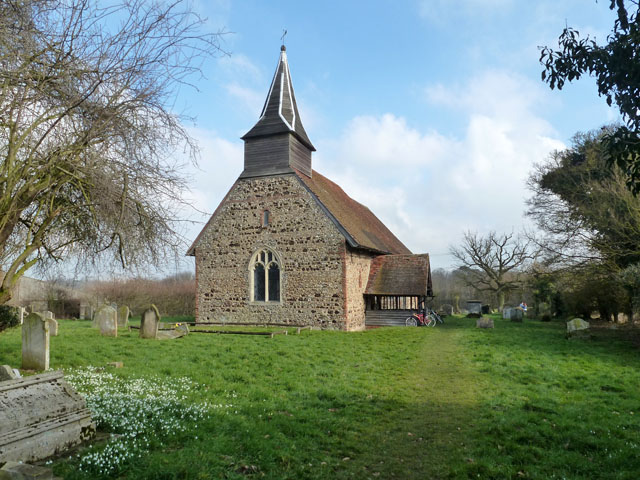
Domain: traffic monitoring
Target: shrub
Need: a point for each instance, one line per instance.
(9, 317)
(546, 317)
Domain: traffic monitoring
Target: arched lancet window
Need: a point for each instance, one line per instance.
(264, 275)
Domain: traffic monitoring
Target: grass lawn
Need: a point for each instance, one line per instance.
(453, 401)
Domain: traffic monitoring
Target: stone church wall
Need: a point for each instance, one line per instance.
(310, 247)
(356, 276)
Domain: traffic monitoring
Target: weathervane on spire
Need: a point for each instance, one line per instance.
(284, 34)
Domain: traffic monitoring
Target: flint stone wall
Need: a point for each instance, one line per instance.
(311, 249)
(41, 416)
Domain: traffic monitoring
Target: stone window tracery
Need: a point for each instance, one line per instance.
(264, 277)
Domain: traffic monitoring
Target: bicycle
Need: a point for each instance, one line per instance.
(435, 315)
(421, 319)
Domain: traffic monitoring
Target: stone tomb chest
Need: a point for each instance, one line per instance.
(41, 416)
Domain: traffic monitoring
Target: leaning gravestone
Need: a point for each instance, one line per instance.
(35, 343)
(53, 327)
(41, 415)
(108, 321)
(149, 323)
(484, 322)
(123, 316)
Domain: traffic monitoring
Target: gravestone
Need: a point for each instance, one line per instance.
(484, 322)
(41, 415)
(99, 315)
(108, 321)
(577, 328)
(6, 373)
(515, 314)
(123, 316)
(149, 323)
(53, 327)
(47, 315)
(183, 328)
(577, 324)
(35, 343)
(180, 331)
(474, 306)
(22, 311)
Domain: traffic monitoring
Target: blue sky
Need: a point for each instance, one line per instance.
(432, 113)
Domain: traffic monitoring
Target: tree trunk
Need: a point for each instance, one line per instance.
(500, 300)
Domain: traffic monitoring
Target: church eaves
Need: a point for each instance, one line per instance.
(280, 111)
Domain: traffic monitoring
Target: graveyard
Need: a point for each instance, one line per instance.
(519, 400)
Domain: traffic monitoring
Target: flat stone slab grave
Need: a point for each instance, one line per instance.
(41, 416)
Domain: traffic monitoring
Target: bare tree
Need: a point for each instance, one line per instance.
(88, 138)
(494, 263)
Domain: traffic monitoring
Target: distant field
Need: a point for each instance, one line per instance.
(453, 401)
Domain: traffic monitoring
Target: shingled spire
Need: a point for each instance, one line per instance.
(278, 142)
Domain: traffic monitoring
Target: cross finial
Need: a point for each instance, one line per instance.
(284, 34)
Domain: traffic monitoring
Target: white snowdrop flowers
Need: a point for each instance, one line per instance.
(138, 411)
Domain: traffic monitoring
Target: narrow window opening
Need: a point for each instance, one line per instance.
(274, 283)
(265, 218)
(258, 283)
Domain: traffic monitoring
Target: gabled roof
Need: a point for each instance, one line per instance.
(358, 224)
(280, 111)
(400, 275)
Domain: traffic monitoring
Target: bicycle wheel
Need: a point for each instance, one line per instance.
(411, 322)
(431, 321)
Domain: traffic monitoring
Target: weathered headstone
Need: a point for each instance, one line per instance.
(98, 315)
(53, 327)
(107, 319)
(515, 314)
(41, 415)
(149, 323)
(577, 324)
(484, 322)
(35, 343)
(123, 316)
(6, 373)
(47, 315)
(22, 311)
(474, 306)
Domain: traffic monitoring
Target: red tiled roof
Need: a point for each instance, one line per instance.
(400, 275)
(364, 228)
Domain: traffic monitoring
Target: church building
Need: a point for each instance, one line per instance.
(288, 246)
